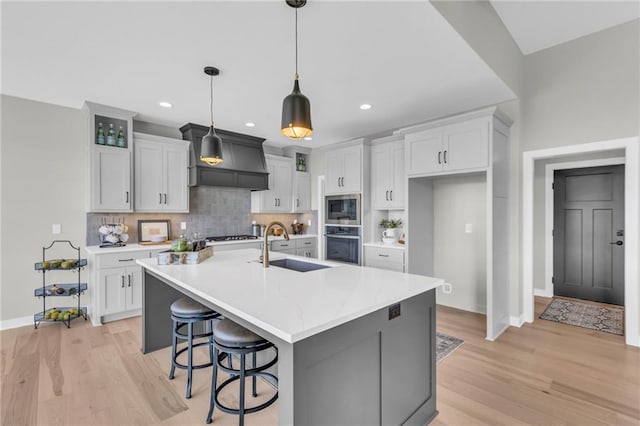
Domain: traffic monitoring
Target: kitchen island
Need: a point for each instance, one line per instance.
(356, 345)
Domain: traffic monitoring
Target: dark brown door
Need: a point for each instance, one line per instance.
(588, 238)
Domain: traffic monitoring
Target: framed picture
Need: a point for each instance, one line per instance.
(147, 229)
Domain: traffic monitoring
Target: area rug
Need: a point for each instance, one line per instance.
(445, 345)
(609, 319)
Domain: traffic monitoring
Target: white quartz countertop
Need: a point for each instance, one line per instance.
(289, 304)
(139, 247)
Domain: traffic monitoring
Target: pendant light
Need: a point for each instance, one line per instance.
(296, 108)
(211, 148)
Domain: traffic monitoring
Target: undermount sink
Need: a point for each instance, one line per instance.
(297, 265)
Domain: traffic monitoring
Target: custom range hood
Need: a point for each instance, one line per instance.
(244, 165)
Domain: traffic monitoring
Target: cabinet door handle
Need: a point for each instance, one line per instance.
(122, 276)
(439, 155)
(383, 255)
(386, 195)
(127, 192)
(445, 157)
(297, 202)
(275, 202)
(165, 198)
(129, 279)
(126, 260)
(160, 197)
(391, 195)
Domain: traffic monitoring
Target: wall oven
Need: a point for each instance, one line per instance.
(343, 243)
(343, 210)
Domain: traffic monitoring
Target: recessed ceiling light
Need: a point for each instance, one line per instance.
(308, 138)
(365, 106)
(250, 124)
(165, 104)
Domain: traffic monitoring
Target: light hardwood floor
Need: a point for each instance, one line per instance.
(543, 373)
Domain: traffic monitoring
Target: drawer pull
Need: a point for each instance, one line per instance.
(383, 255)
(126, 260)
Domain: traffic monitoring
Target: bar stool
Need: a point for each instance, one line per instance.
(186, 312)
(231, 339)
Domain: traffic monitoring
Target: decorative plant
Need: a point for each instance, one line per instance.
(391, 223)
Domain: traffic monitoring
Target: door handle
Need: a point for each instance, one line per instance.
(165, 198)
(129, 279)
(160, 197)
(127, 192)
(122, 276)
(391, 195)
(445, 156)
(439, 155)
(297, 202)
(618, 243)
(386, 195)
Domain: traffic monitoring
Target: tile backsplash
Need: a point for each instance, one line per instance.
(212, 211)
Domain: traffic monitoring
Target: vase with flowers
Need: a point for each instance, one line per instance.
(391, 230)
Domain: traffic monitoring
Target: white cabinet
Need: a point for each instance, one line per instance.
(450, 148)
(301, 192)
(110, 180)
(390, 258)
(110, 159)
(121, 289)
(161, 174)
(118, 283)
(278, 198)
(387, 173)
(344, 170)
(298, 246)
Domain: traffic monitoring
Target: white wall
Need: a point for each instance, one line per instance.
(459, 257)
(584, 90)
(43, 177)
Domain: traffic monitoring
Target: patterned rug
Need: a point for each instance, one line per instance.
(445, 345)
(609, 319)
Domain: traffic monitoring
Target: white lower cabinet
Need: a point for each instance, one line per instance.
(118, 285)
(121, 289)
(297, 246)
(384, 258)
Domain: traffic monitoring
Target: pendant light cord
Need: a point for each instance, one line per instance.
(211, 101)
(296, 43)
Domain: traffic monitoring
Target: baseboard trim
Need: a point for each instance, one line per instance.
(542, 292)
(516, 321)
(16, 322)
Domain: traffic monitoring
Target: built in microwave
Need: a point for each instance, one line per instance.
(343, 209)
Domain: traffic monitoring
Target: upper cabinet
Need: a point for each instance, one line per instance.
(110, 162)
(278, 198)
(161, 174)
(454, 147)
(301, 192)
(344, 170)
(387, 173)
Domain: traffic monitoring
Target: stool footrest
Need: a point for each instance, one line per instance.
(249, 410)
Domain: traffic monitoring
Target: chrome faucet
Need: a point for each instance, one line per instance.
(265, 249)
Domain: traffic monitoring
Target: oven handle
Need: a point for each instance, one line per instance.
(346, 237)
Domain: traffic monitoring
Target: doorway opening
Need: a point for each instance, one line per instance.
(629, 147)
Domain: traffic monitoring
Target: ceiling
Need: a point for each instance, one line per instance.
(404, 59)
(537, 25)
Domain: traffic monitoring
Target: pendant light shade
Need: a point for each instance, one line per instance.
(296, 108)
(296, 114)
(211, 147)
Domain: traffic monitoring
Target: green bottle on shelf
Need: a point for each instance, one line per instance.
(100, 135)
(122, 142)
(111, 136)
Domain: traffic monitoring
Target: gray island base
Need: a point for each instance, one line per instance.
(371, 370)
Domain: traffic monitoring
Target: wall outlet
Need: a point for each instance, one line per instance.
(447, 288)
(183, 225)
(55, 228)
(394, 311)
(468, 228)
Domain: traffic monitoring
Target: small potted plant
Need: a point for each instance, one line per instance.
(391, 230)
